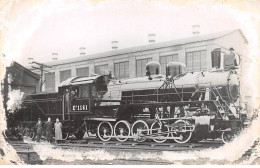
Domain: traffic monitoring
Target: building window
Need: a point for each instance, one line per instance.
(50, 82)
(196, 61)
(164, 60)
(215, 58)
(101, 69)
(65, 75)
(121, 70)
(82, 71)
(140, 66)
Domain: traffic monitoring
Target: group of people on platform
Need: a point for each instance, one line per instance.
(48, 128)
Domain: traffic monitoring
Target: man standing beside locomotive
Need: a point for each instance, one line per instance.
(58, 130)
(67, 99)
(48, 129)
(39, 130)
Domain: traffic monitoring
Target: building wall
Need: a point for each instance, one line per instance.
(19, 78)
(234, 40)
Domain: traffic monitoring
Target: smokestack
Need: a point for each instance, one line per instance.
(82, 51)
(195, 30)
(114, 45)
(151, 38)
(54, 56)
(30, 60)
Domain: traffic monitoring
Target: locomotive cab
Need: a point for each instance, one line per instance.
(222, 60)
(80, 93)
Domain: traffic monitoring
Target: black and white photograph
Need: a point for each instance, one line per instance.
(136, 82)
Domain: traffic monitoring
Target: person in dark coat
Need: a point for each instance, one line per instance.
(67, 100)
(39, 130)
(48, 129)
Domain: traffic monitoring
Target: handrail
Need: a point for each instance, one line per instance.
(157, 94)
(220, 96)
(223, 100)
(147, 88)
(216, 96)
(42, 100)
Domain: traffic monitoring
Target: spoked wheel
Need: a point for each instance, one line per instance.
(227, 137)
(140, 128)
(121, 129)
(185, 136)
(105, 131)
(157, 129)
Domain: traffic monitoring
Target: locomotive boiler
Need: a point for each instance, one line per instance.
(226, 82)
(180, 106)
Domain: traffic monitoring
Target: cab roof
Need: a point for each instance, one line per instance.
(76, 80)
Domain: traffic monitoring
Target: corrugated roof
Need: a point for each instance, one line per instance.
(146, 47)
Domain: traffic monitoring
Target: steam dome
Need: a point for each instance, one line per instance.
(175, 68)
(153, 67)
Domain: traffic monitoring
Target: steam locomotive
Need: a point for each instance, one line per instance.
(180, 106)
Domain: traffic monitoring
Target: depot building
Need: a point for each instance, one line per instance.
(198, 53)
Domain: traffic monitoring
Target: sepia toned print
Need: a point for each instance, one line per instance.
(129, 82)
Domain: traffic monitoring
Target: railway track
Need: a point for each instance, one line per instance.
(30, 156)
(144, 146)
(27, 153)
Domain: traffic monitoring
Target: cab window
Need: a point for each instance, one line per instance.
(84, 91)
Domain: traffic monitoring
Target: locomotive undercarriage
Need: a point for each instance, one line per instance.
(181, 132)
(181, 129)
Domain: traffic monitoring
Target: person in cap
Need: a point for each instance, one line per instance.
(39, 130)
